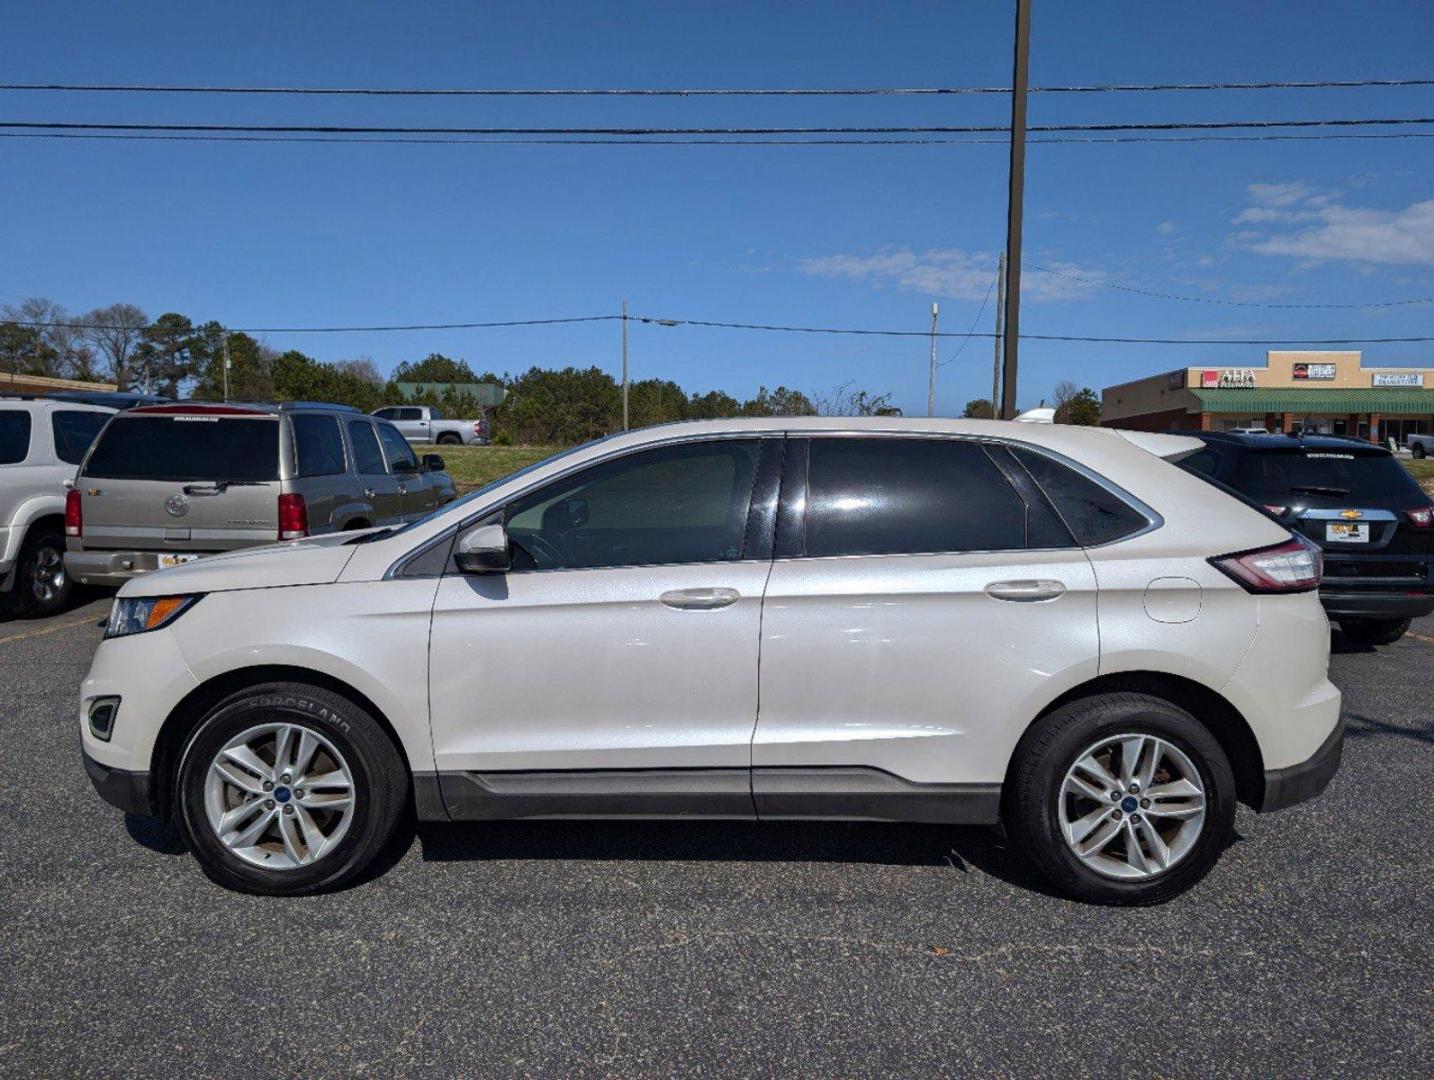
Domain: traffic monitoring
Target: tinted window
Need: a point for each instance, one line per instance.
(903, 495)
(1093, 514)
(678, 504)
(74, 431)
(396, 449)
(368, 458)
(1201, 462)
(385, 414)
(14, 436)
(187, 448)
(318, 445)
(408, 414)
(433, 414)
(1275, 475)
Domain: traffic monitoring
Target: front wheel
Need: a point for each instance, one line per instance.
(1122, 799)
(1374, 631)
(286, 789)
(42, 585)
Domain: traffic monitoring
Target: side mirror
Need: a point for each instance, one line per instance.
(433, 463)
(483, 550)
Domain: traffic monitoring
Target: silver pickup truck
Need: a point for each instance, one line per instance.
(425, 424)
(167, 484)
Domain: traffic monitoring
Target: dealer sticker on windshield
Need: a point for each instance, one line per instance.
(1347, 532)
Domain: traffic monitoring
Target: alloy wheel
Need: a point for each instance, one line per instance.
(1132, 806)
(279, 796)
(47, 575)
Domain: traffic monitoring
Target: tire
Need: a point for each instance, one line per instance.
(1374, 631)
(348, 739)
(1418, 450)
(1037, 795)
(42, 587)
(449, 439)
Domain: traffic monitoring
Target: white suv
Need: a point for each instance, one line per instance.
(969, 622)
(41, 443)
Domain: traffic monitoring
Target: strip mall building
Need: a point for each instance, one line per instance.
(1328, 392)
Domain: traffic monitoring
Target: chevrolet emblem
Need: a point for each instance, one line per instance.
(1351, 515)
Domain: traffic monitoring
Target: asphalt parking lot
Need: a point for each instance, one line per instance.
(575, 949)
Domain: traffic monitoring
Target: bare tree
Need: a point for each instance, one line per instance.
(116, 334)
(1064, 393)
(844, 401)
(361, 367)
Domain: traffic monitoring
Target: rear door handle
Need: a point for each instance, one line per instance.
(1027, 591)
(700, 599)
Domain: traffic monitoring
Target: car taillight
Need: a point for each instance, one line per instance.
(1422, 518)
(74, 514)
(293, 517)
(1291, 567)
(1278, 511)
(478, 427)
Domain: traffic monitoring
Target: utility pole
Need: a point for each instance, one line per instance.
(226, 365)
(931, 384)
(996, 361)
(624, 365)
(1015, 198)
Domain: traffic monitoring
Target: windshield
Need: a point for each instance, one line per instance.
(186, 448)
(1275, 476)
(480, 492)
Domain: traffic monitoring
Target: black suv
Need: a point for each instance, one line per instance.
(1355, 501)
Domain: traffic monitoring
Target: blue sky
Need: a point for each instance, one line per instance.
(266, 235)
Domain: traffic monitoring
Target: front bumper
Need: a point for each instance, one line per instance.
(122, 788)
(115, 567)
(1374, 604)
(1300, 783)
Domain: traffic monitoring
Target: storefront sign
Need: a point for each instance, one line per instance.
(1313, 371)
(1399, 378)
(1228, 379)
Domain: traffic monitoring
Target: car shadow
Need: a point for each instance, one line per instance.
(1366, 727)
(1340, 645)
(154, 835)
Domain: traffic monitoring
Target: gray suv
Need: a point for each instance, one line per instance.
(167, 484)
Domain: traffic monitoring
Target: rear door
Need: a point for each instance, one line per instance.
(201, 481)
(916, 614)
(380, 487)
(416, 496)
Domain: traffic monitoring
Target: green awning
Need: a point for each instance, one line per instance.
(1283, 400)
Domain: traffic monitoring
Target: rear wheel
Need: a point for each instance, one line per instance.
(42, 586)
(1418, 450)
(1374, 631)
(1122, 799)
(287, 789)
(449, 439)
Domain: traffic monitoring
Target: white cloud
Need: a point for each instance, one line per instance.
(1165, 228)
(954, 272)
(1318, 228)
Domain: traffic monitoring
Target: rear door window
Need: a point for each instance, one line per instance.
(1280, 476)
(1093, 513)
(368, 457)
(187, 448)
(74, 430)
(891, 496)
(14, 436)
(318, 445)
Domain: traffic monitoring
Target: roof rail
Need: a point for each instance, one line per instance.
(286, 406)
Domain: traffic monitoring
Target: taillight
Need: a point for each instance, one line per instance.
(1291, 567)
(74, 514)
(293, 517)
(1423, 518)
(478, 427)
(1278, 511)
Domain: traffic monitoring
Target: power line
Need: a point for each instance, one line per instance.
(1216, 300)
(974, 322)
(865, 91)
(772, 327)
(961, 129)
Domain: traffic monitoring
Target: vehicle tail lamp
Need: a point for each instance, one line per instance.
(293, 517)
(1292, 567)
(1422, 518)
(74, 514)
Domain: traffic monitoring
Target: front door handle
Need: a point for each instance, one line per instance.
(369, 493)
(1026, 591)
(700, 599)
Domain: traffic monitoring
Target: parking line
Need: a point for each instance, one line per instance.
(91, 621)
(1419, 637)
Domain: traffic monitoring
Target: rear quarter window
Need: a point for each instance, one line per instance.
(74, 430)
(1093, 513)
(14, 436)
(187, 448)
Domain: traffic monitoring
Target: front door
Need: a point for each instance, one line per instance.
(913, 622)
(416, 495)
(621, 648)
(380, 487)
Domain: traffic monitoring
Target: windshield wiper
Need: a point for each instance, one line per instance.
(219, 486)
(1316, 489)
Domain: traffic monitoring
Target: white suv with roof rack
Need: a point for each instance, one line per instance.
(41, 442)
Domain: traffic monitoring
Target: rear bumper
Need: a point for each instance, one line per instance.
(114, 567)
(1374, 604)
(121, 788)
(1300, 783)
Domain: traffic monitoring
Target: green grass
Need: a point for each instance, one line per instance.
(473, 466)
(1423, 471)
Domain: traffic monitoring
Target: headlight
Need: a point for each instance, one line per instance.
(135, 615)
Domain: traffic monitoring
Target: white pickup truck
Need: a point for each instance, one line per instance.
(1421, 446)
(425, 424)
